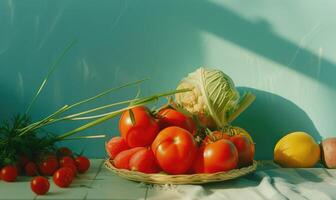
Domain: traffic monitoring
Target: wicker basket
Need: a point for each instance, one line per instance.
(162, 178)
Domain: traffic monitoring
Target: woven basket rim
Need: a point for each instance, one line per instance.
(163, 178)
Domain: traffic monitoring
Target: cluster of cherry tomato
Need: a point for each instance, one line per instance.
(63, 166)
(166, 142)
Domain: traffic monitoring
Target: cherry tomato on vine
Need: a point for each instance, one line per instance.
(23, 160)
(48, 165)
(68, 161)
(174, 149)
(31, 169)
(9, 173)
(115, 146)
(63, 177)
(40, 185)
(82, 164)
(138, 127)
(170, 117)
(64, 151)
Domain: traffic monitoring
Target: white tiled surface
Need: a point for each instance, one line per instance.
(268, 182)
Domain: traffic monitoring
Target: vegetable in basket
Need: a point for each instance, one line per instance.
(213, 97)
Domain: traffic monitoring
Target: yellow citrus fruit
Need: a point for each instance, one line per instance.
(297, 149)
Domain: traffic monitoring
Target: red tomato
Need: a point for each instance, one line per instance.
(67, 161)
(144, 161)
(219, 156)
(143, 131)
(9, 173)
(24, 159)
(170, 117)
(214, 136)
(198, 164)
(49, 156)
(64, 151)
(82, 164)
(30, 169)
(174, 149)
(121, 161)
(73, 167)
(63, 177)
(40, 185)
(115, 146)
(245, 149)
(48, 166)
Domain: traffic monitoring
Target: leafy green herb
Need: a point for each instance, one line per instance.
(20, 137)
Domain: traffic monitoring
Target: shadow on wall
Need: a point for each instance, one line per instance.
(271, 117)
(132, 38)
(257, 36)
(121, 41)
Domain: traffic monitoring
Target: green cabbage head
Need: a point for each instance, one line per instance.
(213, 97)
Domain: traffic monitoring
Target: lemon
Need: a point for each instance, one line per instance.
(297, 149)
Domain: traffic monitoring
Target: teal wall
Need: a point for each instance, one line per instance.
(283, 51)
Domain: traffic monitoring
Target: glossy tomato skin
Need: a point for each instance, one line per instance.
(40, 185)
(198, 164)
(174, 149)
(82, 164)
(9, 173)
(115, 146)
(48, 166)
(66, 160)
(31, 169)
(245, 149)
(63, 177)
(144, 161)
(220, 156)
(142, 132)
(170, 117)
(121, 161)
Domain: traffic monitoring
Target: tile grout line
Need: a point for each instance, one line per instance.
(94, 178)
(146, 194)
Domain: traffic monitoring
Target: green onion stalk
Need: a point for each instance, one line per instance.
(22, 137)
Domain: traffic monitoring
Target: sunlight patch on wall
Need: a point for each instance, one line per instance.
(252, 70)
